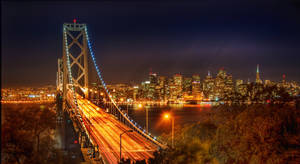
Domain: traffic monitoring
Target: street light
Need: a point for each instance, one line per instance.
(168, 116)
(127, 131)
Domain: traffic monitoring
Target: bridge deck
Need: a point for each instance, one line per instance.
(105, 131)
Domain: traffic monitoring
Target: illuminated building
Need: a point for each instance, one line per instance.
(220, 84)
(268, 83)
(135, 92)
(29, 94)
(258, 80)
(152, 94)
(208, 86)
(162, 88)
(178, 86)
(242, 89)
(238, 82)
(153, 78)
(119, 91)
(196, 86)
(228, 84)
(145, 89)
(187, 85)
(178, 89)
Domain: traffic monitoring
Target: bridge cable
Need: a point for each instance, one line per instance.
(153, 139)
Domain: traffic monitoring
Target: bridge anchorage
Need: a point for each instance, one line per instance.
(100, 124)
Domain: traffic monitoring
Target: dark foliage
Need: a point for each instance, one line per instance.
(27, 133)
(238, 134)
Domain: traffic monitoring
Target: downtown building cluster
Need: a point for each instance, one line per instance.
(28, 94)
(222, 87)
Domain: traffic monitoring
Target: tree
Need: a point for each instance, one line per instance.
(26, 133)
(258, 135)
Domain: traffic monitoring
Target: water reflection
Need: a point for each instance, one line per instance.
(183, 114)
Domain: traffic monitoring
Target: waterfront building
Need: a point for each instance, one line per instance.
(196, 85)
(208, 86)
(187, 85)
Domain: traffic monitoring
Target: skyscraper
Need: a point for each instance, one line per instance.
(153, 83)
(258, 80)
(178, 84)
(187, 85)
(196, 87)
(208, 86)
(162, 88)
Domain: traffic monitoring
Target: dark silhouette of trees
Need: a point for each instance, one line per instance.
(258, 135)
(238, 134)
(27, 133)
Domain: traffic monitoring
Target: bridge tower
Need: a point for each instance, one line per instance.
(75, 46)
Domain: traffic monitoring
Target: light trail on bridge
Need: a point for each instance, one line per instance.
(102, 129)
(105, 130)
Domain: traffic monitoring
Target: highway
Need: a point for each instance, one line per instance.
(105, 130)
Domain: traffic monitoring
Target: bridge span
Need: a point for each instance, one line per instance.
(105, 131)
(99, 129)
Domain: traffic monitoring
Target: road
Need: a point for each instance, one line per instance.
(105, 130)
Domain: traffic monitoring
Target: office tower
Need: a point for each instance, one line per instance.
(162, 88)
(187, 85)
(208, 86)
(196, 86)
(152, 86)
(178, 85)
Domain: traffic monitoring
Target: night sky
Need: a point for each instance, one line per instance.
(170, 37)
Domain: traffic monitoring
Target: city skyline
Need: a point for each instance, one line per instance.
(187, 39)
(252, 79)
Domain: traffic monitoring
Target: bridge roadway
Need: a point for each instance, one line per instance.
(105, 130)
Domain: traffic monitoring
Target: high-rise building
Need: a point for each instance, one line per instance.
(162, 88)
(196, 86)
(229, 88)
(171, 90)
(258, 80)
(178, 84)
(220, 83)
(145, 89)
(208, 86)
(153, 78)
(152, 86)
(187, 85)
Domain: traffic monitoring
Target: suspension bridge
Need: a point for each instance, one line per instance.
(99, 126)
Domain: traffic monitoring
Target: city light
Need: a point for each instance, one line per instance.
(166, 115)
(140, 105)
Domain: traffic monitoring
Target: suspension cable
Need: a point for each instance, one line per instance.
(110, 97)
